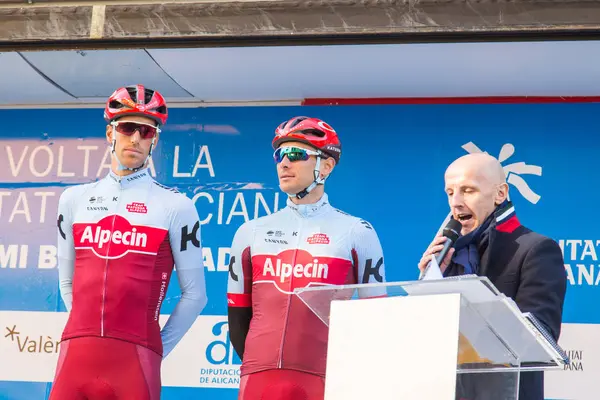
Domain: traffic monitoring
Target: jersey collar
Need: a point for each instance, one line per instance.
(310, 210)
(129, 180)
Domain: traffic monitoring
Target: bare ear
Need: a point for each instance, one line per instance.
(501, 193)
(327, 166)
(109, 133)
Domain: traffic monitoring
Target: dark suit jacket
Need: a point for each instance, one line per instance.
(529, 268)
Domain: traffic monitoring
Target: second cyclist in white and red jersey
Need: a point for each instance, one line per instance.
(282, 343)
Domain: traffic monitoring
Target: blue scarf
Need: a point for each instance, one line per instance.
(466, 256)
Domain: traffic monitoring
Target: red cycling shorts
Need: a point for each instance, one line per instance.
(104, 368)
(281, 384)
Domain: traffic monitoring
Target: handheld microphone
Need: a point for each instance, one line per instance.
(452, 233)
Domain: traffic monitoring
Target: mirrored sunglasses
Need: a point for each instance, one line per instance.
(128, 128)
(293, 154)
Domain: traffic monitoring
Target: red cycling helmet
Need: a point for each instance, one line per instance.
(136, 100)
(311, 131)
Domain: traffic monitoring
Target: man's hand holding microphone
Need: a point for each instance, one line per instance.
(441, 247)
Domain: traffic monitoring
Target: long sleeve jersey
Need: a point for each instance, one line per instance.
(118, 241)
(298, 246)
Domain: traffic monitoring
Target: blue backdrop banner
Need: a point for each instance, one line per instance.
(391, 174)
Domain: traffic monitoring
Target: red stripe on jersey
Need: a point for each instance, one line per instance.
(239, 300)
(297, 268)
(114, 237)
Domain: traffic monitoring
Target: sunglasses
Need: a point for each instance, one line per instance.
(293, 154)
(128, 128)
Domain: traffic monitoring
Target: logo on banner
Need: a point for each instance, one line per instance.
(513, 171)
(31, 344)
(581, 261)
(221, 354)
(576, 360)
(577, 379)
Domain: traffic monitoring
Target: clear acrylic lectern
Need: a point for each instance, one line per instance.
(448, 339)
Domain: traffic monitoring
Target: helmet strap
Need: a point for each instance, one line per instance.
(317, 181)
(120, 166)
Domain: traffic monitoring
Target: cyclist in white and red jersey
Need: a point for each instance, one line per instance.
(282, 344)
(118, 240)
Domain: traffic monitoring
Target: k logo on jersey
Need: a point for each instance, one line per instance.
(293, 269)
(59, 223)
(187, 237)
(113, 237)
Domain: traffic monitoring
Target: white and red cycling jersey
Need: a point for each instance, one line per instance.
(298, 246)
(118, 241)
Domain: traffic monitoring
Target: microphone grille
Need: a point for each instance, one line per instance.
(452, 230)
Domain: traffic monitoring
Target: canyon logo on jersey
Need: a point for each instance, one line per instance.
(296, 268)
(113, 237)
